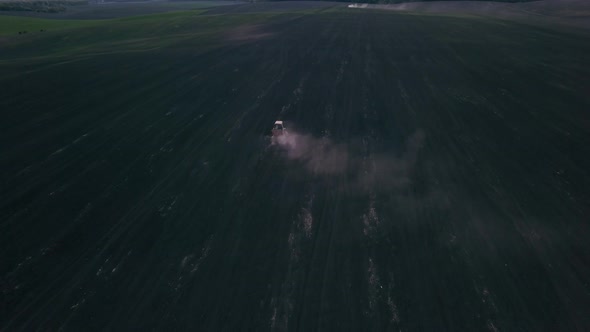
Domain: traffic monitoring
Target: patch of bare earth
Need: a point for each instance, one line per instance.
(247, 33)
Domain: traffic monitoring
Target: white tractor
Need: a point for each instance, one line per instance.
(278, 129)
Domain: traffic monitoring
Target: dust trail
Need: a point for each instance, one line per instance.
(319, 155)
(324, 157)
(391, 172)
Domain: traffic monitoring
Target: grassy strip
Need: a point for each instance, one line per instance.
(10, 25)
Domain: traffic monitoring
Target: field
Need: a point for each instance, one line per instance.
(119, 9)
(436, 174)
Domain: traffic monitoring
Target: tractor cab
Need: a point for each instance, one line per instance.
(278, 129)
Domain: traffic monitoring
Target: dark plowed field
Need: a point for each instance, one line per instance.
(436, 175)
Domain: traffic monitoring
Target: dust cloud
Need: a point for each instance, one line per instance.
(324, 157)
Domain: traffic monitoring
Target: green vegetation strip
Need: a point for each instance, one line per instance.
(14, 24)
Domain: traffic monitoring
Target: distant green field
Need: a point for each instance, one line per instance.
(75, 37)
(78, 10)
(45, 38)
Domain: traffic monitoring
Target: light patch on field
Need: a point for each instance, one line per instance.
(370, 219)
(375, 288)
(307, 218)
(247, 33)
(282, 304)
